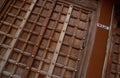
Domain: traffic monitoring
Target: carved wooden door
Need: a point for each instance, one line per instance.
(43, 39)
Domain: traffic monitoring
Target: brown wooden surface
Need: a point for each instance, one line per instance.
(30, 34)
(99, 50)
(114, 65)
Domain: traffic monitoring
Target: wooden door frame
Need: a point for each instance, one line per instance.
(108, 61)
(90, 41)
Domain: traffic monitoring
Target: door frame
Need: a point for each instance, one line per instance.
(108, 61)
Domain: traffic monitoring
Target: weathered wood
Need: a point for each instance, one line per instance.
(15, 38)
(47, 41)
(57, 50)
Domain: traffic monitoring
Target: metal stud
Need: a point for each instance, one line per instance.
(60, 41)
(78, 59)
(33, 55)
(81, 48)
(53, 63)
(16, 63)
(68, 55)
(63, 30)
(83, 38)
(11, 75)
(46, 48)
(27, 68)
(56, 52)
(38, 71)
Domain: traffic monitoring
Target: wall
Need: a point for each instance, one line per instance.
(98, 54)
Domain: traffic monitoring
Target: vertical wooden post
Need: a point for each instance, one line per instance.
(55, 56)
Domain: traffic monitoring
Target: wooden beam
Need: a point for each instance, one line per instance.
(57, 50)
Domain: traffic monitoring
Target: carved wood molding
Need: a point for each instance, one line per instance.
(87, 3)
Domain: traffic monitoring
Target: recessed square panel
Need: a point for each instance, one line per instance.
(14, 55)
(36, 63)
(62, 18)
(36, 9)
(67, 39)
(59, 26)
(19, 44)
(32, 17)
(44, 43)
(80, 33)
(45, 67)
(68, 74)
(53, 45)
(22, 13)
(82, 25)
(24, 35)
(51, 24)
(84, 16)
(48, 33)
(57, 71)
(40, 52)
(4, 28)
(77, 43)
(29, 48)
(65, 10)
(58, 7)
(26, 6)
(49, 5)
(20, 71)
(64, 49)
(73, 21)
(9, 67)
(7, 41)
(2, 51)
(18, 3)
(17, 22)
(45, 12)
(13, 31)
(75, 13)
(28, 26)
(9, 19)
(56, 36)
(49, 56)
(70, 30)
(55, 15)
(40, 2)
(37, 29)
(24, 59)
(32, 74)
(71, 63)
(61, 60)
(33, 38)
(74, 52)
(14, 11)
(41, 20)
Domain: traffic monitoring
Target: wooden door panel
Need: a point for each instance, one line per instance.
(115, 57)
(43, 39)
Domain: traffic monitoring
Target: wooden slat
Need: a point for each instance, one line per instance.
(55, 56)
(16, 36)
